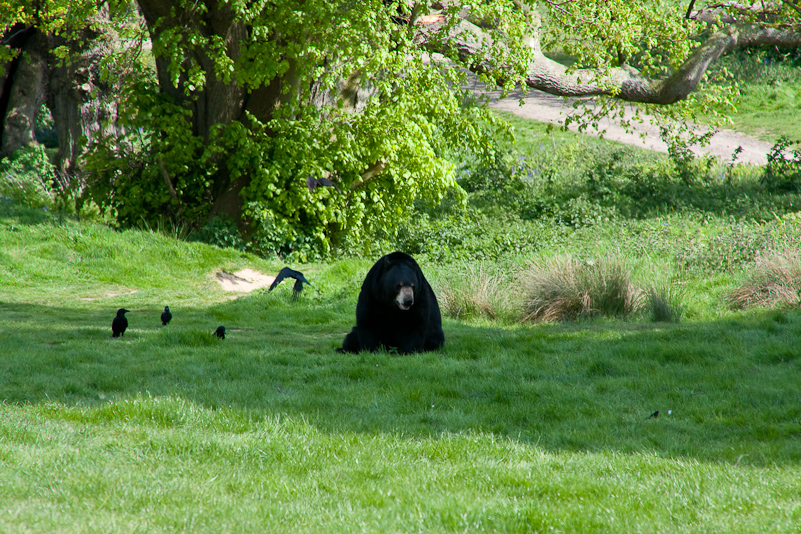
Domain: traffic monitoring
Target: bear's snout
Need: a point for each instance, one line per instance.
(405, 298)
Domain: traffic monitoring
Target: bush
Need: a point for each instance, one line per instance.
(566, 289)
(220, 232)
(27, 176)
(783, 171)
(470, 236)
(505, 186)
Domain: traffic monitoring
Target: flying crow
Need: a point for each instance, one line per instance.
(166, 316)
(119, 324)
(286, 272)
(220, 332)
(313, 183)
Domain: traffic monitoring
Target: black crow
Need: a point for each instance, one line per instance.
(220, 332)
(313, 183)
(286, 272)
(166, 316)
(653, 415)
(119, 324)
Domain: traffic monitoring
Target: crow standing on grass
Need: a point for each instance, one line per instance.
(166, 316)
(220, 332)
(286, 272)
(119, 324)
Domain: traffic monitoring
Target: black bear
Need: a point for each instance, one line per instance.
(396, 309)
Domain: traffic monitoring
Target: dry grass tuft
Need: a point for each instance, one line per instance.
(566, 289)
(473, 290)
(775, 282)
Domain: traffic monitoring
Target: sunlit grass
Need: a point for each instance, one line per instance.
(165, 464)
(770, 93)
(512, 428)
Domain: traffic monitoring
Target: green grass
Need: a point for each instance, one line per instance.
(770, 93)
(510, 428)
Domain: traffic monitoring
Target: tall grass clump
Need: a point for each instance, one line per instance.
(566, 289)
(775, 280)
(664, 302)
(474, 290)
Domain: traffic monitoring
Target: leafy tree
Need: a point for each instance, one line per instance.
(252, 100)
(57, 53)
(252, 104)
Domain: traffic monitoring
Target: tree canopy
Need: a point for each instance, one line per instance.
(312, 124)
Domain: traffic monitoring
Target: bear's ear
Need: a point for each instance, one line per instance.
(383, 265)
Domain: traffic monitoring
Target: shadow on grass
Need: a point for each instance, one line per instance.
(725, 391)
(14, 214)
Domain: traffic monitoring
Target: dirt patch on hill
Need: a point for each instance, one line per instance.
(112, 294)
(243, 281)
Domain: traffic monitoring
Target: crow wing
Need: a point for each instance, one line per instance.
(285, 273)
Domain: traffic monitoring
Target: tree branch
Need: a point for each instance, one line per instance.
(793, 5)
(371, 171)
(625, 83)
(167, 180)
(690, 9)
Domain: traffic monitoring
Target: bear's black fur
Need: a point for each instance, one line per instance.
(396, 309)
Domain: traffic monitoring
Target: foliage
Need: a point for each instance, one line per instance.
(325, 89)
(783, 171)
(28, 176)
(409, 125)
(126, 177)
(469, 235)
(220, 232)
(57, 17)
(652, 37)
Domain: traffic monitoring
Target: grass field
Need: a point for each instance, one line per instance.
(770, 92)
(510, 428)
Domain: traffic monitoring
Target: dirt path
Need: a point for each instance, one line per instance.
(554, 109)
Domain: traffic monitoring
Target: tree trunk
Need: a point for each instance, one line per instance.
(219, 101)
(26, 94)
(79, 100)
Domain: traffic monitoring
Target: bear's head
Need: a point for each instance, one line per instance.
(399, 285)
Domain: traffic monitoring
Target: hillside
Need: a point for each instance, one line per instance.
(511, 427)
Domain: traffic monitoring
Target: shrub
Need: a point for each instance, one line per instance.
(27, 177)
(219, 232)
(471, 236)
(505, 185)
(566, 289)
(734, 246)
(774, 281)
(783, 171)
